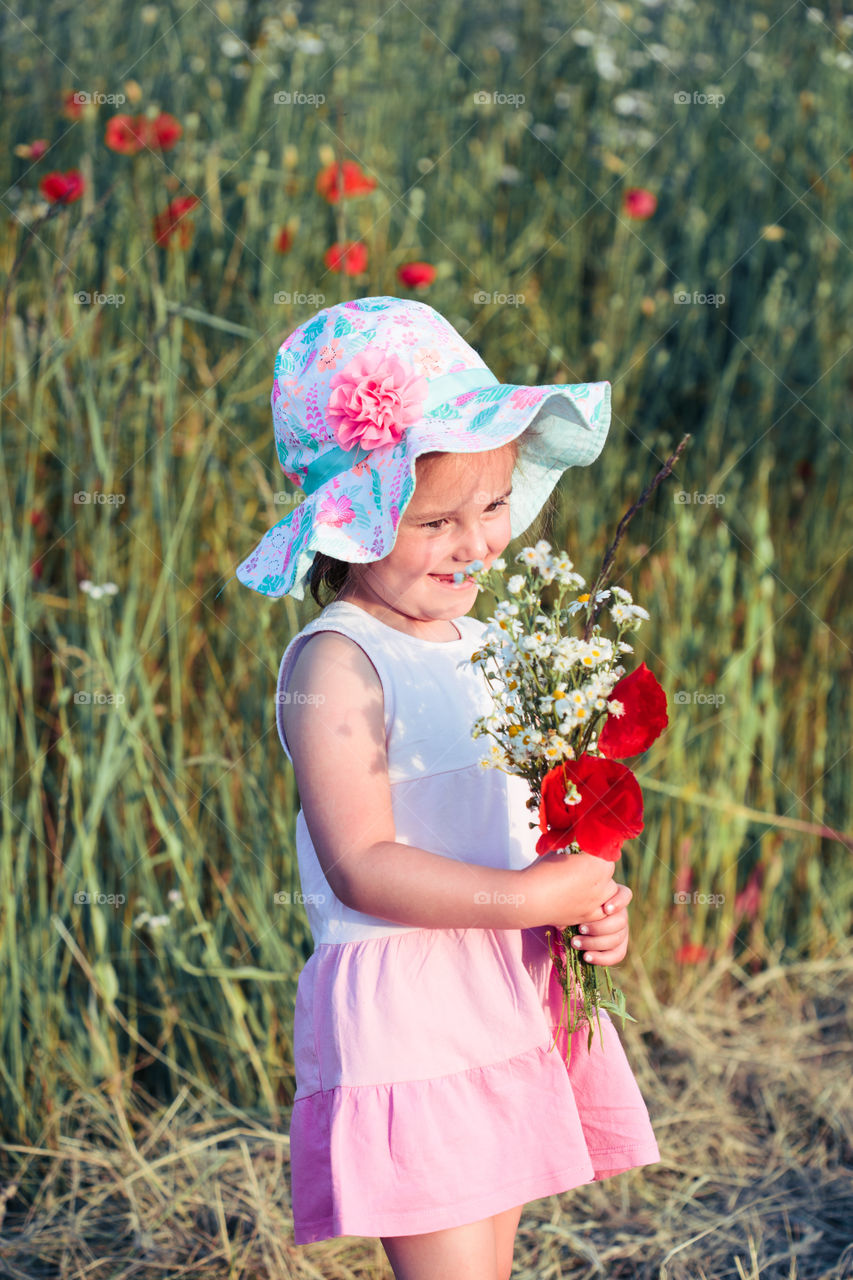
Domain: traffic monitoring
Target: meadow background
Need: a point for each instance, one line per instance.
(655, 194)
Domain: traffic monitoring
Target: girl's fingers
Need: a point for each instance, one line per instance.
(601, 942)
(606, 926)
(620, 898)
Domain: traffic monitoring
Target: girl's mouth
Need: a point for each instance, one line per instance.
(447, 580)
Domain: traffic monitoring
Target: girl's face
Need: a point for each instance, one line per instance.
(459, 512)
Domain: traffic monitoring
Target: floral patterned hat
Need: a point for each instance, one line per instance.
(359, 392)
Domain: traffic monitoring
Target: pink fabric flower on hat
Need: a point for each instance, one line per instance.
(374, 398)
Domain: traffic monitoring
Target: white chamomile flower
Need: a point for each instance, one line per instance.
(499, 564)
(141, 919)
(621, 614)
(175, 896)
(157, 922)
(621, 594)
(528, 556)
(639, 612)
(515, 585)
(616, 707)
(625, 648)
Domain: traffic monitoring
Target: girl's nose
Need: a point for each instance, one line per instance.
(473, 545)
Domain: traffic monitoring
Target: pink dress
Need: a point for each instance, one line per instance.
(430, 1092)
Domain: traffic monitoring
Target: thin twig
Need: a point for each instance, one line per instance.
(594, 605)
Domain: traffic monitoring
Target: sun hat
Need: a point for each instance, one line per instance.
(359, 392)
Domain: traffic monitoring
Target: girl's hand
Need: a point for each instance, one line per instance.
(605, 940)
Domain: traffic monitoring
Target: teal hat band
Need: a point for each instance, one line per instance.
(336, 461)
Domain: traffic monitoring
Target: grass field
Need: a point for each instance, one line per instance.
(148, 811)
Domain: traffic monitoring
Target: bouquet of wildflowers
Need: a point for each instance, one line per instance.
(565, 715)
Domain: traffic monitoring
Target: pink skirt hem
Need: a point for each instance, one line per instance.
(402, 1158)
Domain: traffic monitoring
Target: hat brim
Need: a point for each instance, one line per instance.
(354, 516)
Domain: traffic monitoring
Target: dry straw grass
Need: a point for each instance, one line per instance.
(747, 1082)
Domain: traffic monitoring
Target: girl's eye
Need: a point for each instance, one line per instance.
(434, 524)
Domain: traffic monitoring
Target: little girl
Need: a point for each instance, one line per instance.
(432, 1100)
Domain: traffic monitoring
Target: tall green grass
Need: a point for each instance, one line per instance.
(170, 777)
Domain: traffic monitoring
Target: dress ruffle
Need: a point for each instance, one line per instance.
(432, 1093)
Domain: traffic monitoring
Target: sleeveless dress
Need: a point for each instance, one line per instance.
(431, 1090)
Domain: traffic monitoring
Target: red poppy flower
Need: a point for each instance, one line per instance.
(130, 134)
(348, 175)
(126, 134)
(174, 222)
(416, 274)
(163, 132)
(349, 256)
(690, 953)
(610, 810)
(284, 241)
(62, 188)
(644, 719)
(639, 203)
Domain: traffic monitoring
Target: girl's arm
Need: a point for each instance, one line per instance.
(336, 734)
